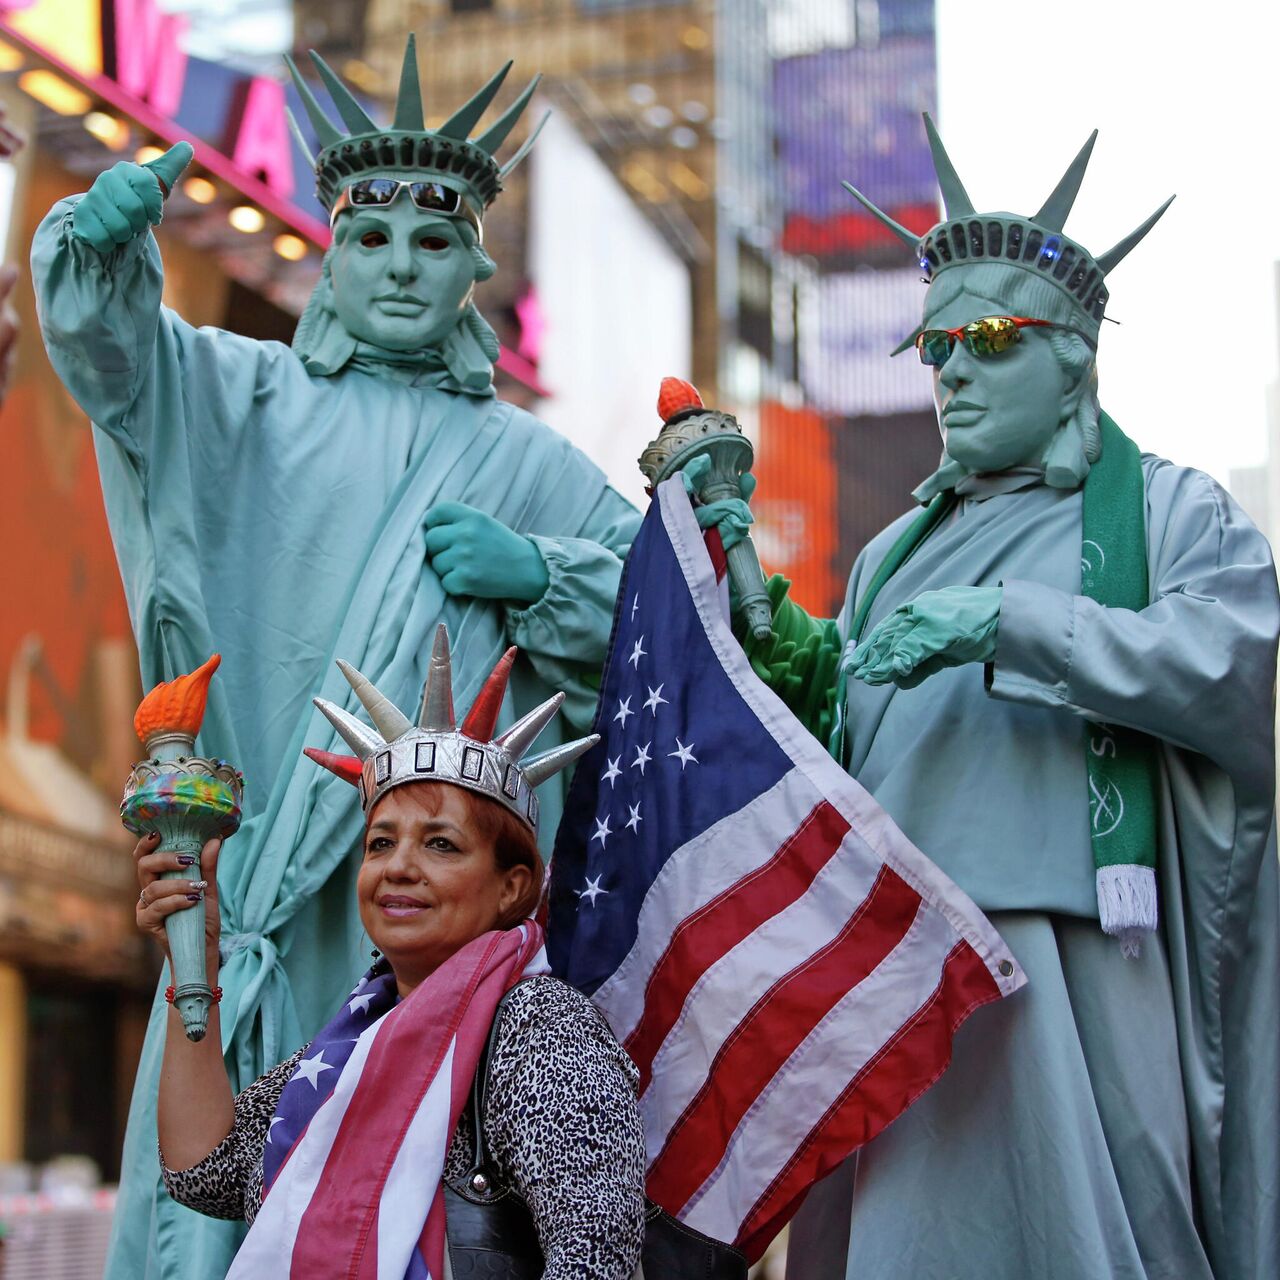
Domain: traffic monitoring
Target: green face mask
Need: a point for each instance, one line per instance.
(998, 408)
(402, 276)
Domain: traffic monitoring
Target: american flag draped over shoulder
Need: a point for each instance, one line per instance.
(786, 969)
(356, 1148)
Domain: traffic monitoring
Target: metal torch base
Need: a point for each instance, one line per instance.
(192, 1001)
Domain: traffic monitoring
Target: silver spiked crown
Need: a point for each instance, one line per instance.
(447, 154)
(395, 750)
(1035, 244)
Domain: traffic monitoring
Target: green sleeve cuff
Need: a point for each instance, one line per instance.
(799, 660)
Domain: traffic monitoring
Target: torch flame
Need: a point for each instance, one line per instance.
(675, 395)
(176, 706)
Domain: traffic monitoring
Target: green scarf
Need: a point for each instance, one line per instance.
(1122, 764)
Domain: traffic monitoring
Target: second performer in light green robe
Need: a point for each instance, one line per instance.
(1118, 1118)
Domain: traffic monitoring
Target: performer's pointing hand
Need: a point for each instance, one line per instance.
(127, 199)
(475, 555)
(945, 628)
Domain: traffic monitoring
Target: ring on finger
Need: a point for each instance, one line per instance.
(142, 898)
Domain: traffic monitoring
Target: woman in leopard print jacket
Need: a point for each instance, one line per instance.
(442, 868)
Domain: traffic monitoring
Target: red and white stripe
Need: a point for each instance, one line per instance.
(798, 975)
(361, 1189)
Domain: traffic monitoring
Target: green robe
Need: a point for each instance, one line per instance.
(1117, 1119)
(276, 517)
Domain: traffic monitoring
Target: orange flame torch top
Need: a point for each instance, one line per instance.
(176, 706)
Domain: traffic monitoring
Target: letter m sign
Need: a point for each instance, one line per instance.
(142, 52)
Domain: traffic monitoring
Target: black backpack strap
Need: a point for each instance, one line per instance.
(480, 1181)
(488, 1224)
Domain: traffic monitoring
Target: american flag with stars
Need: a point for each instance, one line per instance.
(355, 1151)
(786, 969)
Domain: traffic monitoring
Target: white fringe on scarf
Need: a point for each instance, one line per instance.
(1127, 904)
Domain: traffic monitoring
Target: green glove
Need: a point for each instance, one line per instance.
(799, 660)
(127, 199)
(731, 515)
(946, 628)
(475, 555)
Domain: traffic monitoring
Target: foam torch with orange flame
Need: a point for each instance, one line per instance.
(691, 430)
(189, 800)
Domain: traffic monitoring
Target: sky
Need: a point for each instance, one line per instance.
(1183, 97)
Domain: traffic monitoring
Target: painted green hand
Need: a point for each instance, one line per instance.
(946, 628)
(475, 555)
(732, 516)
(127, 199)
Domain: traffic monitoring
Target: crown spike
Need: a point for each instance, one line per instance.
(325, 129)
(910, 239)
(955, 199)
(908, 342)
(496, 134)
(437, 696)
(525, 147)
(292, 121)
(522, 735)
(361, 739)
(354, 116)
(463, 120)
(348, 768)
(1053, 213)
(482, 719)
(1114, 256)
(409, 111)
(387, 718)
(542, 767)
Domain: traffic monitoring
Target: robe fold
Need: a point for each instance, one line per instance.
(1118, 1119)
(276, 518)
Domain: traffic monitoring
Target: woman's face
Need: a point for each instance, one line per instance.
(429, 884)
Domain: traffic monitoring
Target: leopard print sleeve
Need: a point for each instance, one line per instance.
(227, 1183)
(562, 1123)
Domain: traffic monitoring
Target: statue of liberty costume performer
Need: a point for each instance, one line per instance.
(1059, 679)
(343, 497)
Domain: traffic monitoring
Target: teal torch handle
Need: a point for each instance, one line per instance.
(745, 573)
(185, 930)
(187, 801)
(748, 582)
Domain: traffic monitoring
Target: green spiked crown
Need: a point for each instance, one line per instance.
(1035, 244)
(446, 154)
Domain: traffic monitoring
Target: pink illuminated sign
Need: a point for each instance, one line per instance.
(262, 143)
(143, 54)
(149, 59)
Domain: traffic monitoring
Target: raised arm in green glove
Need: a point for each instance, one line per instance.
(127, 199)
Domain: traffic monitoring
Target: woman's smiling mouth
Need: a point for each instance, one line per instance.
(398, 906)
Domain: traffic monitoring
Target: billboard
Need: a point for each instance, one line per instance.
(797, 523)
(848, 324)
(879, 460)
(138, 46)
(854, 114)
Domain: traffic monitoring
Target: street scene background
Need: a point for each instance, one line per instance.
(681, 214)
